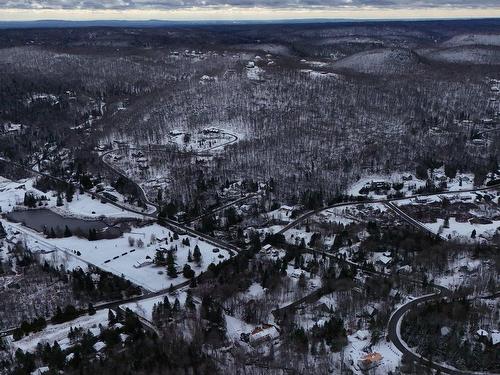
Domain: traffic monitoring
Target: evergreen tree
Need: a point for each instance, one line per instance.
(171, 270)
(197, 254)
(70, 192)
(189, 301)
(67, 232)
(91, 309)
(159, 258)
(187, 272)
(177, 306)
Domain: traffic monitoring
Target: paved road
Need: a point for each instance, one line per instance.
(394, 333)
(168, 222)
(220, 208)
(398, 211)
(398, 315)
(396, 318)
(385, 201)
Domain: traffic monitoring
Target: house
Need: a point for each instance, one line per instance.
(362, 335)
(180, 216)
(99, 345)
(369, 361)
(266, 249)
(144, 262)
(405, 269)
(376, 185)
(286, 210)
(384, 260)
(393, 293)
(266, 332)
(371, 310)
(12, 239)
(482, 334)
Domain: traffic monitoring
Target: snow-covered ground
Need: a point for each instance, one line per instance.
(144, 308)
(460, 272)
(118, 257)
(339, 215)
(82, 206)
(408, 189)
(255, 73)
(59, 332)
(357, 348)
(235, 327)
(463, 231)
(462, 181)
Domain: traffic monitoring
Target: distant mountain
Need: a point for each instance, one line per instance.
(148, 23)
(381, 61)
(170, 23)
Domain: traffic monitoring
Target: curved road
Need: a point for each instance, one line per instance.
(394, 333)
(385, 201)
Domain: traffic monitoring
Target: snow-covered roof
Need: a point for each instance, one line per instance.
(445, 331)
(40, 370)
(495, 337)
(385, 259)
(362, 334)
(264, 332)
(99, 345)
(369, 360)
(482, 333)
(371, 310)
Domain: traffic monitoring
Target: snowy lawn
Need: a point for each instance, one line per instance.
(59, 332)
(144, 308)
(118, 257)
(83, 206)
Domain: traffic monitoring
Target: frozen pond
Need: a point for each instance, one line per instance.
(43, 220)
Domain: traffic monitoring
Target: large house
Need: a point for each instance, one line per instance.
(266, 332)
(369, 361)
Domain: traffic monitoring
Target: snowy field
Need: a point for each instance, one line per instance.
(118, 257)
(59, 332)
(462, 230)
(460, 272)
(235, 327)
(83, 206)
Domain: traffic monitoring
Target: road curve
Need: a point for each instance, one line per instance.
(385, 201)
(394, 334)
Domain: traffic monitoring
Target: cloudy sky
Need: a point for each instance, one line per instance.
(244, 9)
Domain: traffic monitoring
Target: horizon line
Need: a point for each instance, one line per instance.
(250, 14)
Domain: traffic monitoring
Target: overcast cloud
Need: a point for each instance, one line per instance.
(179, 4)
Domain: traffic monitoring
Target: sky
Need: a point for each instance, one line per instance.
(18, 10)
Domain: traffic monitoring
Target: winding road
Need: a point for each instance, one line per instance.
(395, 321)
